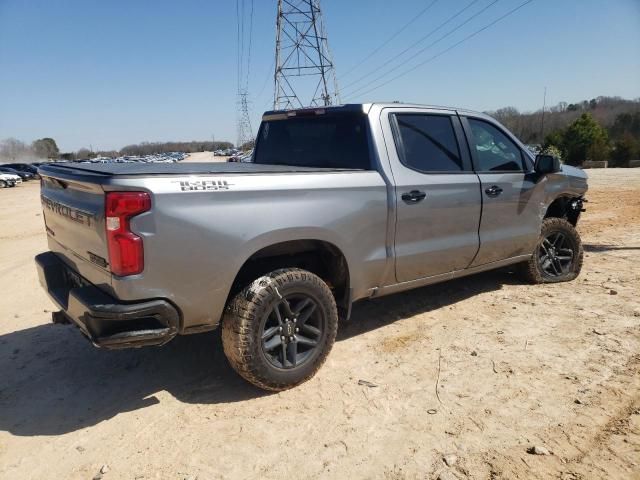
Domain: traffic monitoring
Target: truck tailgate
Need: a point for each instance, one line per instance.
(74, 219)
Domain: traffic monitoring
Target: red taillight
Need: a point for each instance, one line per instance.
(126, 253)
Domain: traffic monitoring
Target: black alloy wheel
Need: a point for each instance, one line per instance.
(556, 254)
(292, 331)
(278, 330)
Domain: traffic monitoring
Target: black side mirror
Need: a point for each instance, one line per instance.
(547, 164)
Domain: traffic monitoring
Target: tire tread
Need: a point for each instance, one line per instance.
(239, 320)
(530, 269)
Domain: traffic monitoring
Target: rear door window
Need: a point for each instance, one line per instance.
(427, 143)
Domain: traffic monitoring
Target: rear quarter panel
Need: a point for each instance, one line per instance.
(196, 241)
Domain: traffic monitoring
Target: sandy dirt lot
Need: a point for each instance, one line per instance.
(203, 157)
(514, 366)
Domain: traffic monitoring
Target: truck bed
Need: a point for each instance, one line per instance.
(137, 169)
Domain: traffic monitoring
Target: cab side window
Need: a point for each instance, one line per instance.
(427, 143)
(495, 152)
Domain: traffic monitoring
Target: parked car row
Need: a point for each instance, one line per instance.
(12, 174)
(170, 157)
(242, 157)
(24, 171)
(229, 152)
(8, 180)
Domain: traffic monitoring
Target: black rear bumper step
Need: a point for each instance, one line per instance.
(105, 320)
(136, 338)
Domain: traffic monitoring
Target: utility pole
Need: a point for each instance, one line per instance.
(544, 105)
(305, 74)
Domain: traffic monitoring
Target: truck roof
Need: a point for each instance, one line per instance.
(360, 108)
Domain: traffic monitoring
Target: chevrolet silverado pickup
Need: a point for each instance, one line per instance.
(338, 204)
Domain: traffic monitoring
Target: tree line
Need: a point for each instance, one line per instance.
(14, 150)
(603, 128)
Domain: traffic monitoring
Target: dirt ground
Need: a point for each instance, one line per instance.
(482, 368)
(200, 157)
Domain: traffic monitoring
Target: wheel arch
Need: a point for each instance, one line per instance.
(565, 206)
(320, 257)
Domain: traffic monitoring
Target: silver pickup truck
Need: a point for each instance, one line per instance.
(339, 204)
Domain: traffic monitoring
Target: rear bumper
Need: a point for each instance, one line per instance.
(106, 321)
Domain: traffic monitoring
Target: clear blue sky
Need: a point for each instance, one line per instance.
(109, 73)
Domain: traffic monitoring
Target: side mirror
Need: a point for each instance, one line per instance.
(547, 164)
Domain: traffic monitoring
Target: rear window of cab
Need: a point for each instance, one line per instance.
(323, 141)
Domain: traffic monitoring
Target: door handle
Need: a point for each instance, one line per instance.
(493, 191)
(414, 196)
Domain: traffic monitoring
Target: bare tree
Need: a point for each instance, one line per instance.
(12, 149)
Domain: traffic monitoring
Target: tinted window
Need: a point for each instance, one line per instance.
(429, 143)
(494, 150)
(332, 141)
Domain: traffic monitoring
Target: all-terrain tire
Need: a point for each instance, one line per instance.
(243, 325)
(533, 270)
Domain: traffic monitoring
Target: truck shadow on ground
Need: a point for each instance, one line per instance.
(598, 248)
(53, 381)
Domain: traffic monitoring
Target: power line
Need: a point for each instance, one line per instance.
(244, 75)
(238, 60)
(450, 32)
(268, 77)
(245, 132)
(468, 37)
(414, 44)
(390, 39)
(242, 21)
(249, 51)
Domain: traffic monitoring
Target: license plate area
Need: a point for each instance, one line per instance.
(74, 280)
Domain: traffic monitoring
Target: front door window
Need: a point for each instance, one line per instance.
(495, 152)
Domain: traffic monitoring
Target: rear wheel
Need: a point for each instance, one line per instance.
(278, 331)
(558, 255)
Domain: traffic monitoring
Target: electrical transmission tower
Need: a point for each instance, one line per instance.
(305, 74)
(245, 132)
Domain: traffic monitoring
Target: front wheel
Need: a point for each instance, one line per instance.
(3, 184)
(558, 255)
(278, 331)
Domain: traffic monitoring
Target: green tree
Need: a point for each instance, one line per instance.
(552, 150)
(45, 148)
(624, 149)
(585, 139)
(626, 123)
(555, 139)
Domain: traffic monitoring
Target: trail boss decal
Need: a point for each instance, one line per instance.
(198, 185)
(78, 216)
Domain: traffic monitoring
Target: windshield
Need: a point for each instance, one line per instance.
(327, 141)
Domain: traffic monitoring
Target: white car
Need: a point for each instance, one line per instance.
(9, 180)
